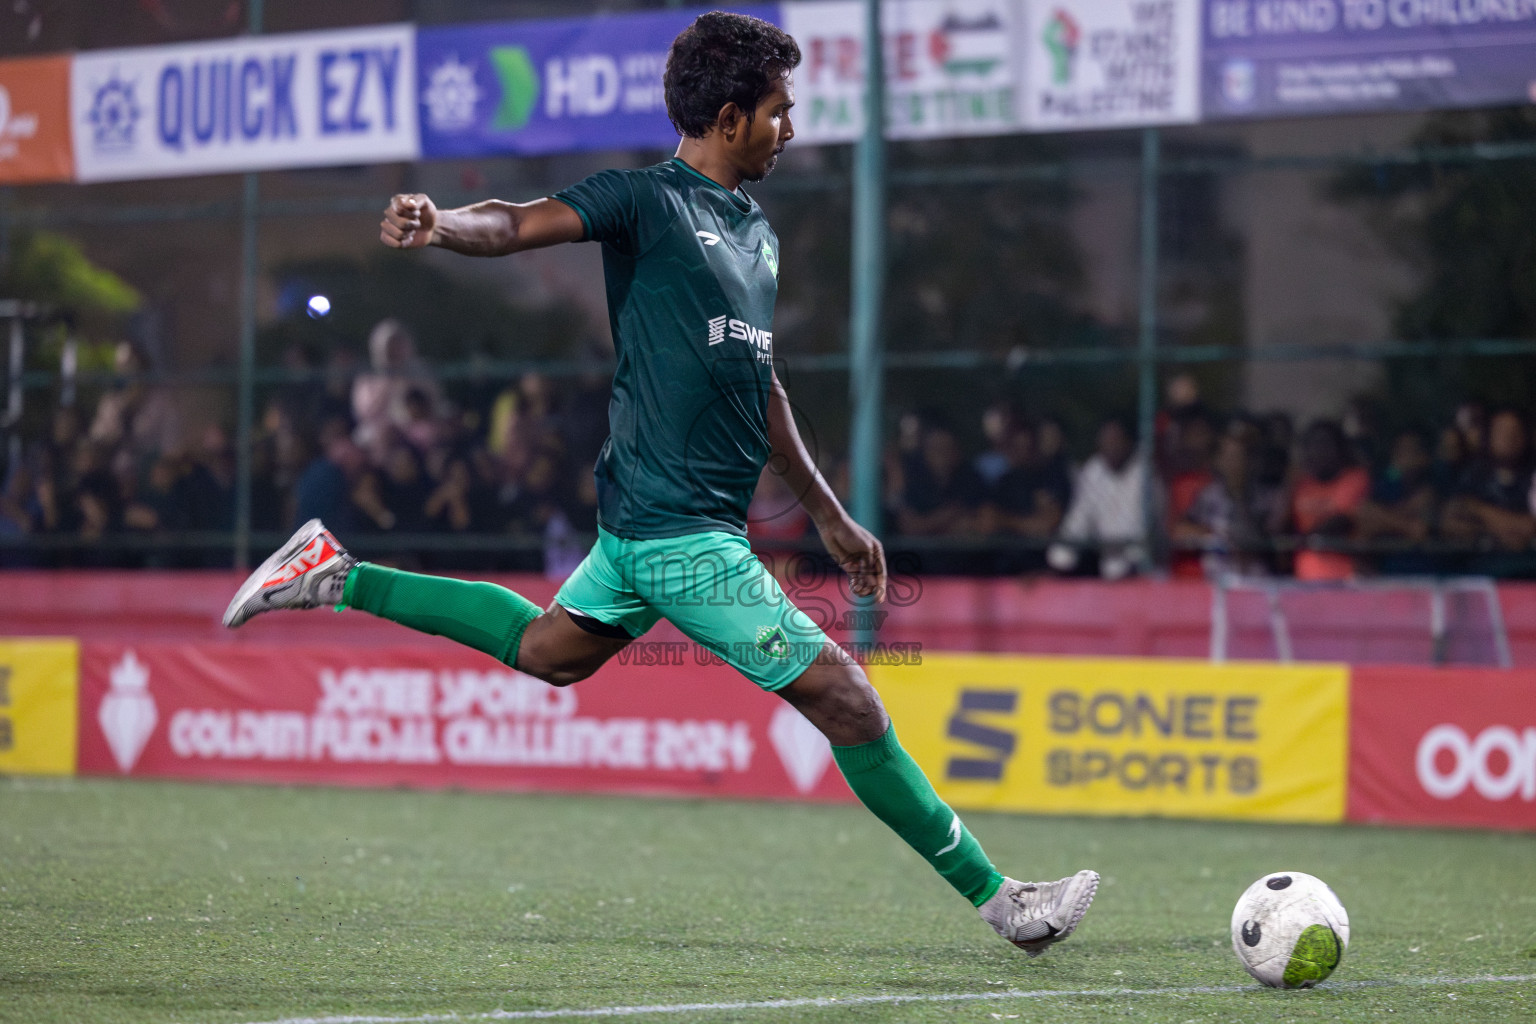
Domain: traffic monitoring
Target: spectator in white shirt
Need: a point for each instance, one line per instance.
(1108, 508)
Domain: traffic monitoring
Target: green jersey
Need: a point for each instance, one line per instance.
(691, 270)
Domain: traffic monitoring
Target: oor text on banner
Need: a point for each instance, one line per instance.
(1174, 738)
(1434, 746)
(38, 688)
(303, 100)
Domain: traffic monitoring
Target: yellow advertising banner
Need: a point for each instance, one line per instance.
(39, 690)
(1182, 739)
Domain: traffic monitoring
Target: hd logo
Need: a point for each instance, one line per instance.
(761, 341)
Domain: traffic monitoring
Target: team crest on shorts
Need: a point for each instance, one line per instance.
(770, 640)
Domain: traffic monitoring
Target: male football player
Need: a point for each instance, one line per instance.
(691, 268)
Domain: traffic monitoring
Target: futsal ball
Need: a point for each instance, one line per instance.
(1289, 930)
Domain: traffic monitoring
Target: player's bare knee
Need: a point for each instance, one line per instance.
(835, 695)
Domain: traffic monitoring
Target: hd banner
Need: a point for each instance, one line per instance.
(252, 103)
(660, 718)
(1443, 746)
(38, 686)
(531, 87)
(1171, 738)
(1266, 58)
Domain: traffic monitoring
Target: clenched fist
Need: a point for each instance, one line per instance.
(408, 222)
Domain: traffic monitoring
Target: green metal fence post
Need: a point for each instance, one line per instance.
(866, 347)
(246, 382)
(1146, 392)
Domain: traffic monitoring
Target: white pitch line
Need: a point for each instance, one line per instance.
(942, 997)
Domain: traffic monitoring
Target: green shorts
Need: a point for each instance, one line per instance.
(710, 586)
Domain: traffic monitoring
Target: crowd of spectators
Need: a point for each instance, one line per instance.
(472, 475)
(1227, 494)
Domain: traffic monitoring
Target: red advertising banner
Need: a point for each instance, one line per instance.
(1443, 747)
(426, 717)
(34, 120)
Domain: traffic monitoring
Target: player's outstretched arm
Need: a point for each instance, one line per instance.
(858, 551)
(489, 228)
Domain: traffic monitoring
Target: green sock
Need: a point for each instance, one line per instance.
(480, 615)
(890, 784)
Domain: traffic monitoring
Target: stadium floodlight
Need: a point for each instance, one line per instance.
(318, 306)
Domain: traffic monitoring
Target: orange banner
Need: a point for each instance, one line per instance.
(34, 120)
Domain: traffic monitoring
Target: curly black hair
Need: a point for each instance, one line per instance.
(723, 58)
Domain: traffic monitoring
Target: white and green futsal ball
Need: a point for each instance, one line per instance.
(1289, 930)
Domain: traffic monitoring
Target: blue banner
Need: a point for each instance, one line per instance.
(537, 87)
(1268, 58)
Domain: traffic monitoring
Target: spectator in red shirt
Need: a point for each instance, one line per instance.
(1325, 501)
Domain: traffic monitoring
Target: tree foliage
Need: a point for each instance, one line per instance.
(1467, 227)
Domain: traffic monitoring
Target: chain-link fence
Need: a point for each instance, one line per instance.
(1285, 348)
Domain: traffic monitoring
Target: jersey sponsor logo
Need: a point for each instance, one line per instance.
(710, 238)
(721, 327)
(759, 339)
(717, 329)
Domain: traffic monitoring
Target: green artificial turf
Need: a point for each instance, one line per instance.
(125, 901)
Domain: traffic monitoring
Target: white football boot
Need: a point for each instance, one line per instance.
(1033, 915)
(307, 572)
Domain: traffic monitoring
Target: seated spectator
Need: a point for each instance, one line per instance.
(998, 424)
(1494, 505)
(213, 467)
(1189, 440)
(132, 414)
(1403, 506)
(422, 427)
(325, 489)
(1228, 519)
(378, 397)
(1473, 421)
(568, 534)
(1277, 434)
(1181, 401)
(450, 504)
(180, 494)
(1051, 444)
(1325, 501)
(404, 489)
(18, 510)
(1023, 501)
(1452, 457)
(532, 502)
(1108, 508)
(940, 494)
(1362, 432)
